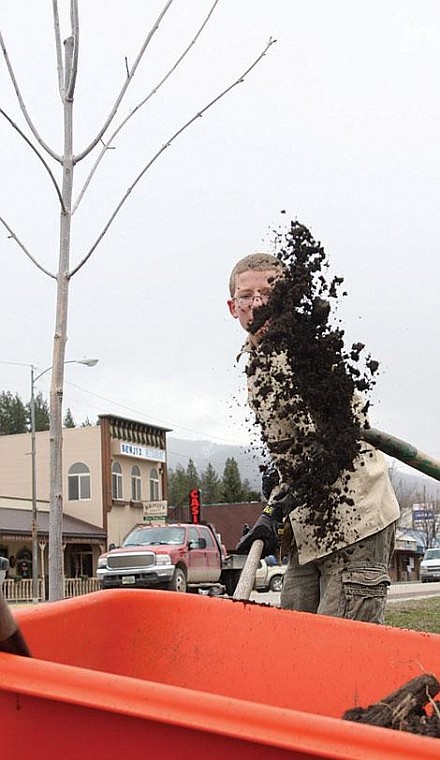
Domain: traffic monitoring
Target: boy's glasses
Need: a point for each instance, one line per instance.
(247, 299)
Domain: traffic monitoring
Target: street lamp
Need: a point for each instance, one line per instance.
(88, 363)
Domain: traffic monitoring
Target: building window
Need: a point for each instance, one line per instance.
(79, 482)
(136, 491)
(116, 481)
(154, 485)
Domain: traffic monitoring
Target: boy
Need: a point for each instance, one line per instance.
(343, 570)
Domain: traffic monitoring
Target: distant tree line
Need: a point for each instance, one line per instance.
(15, 415)
(228, 489)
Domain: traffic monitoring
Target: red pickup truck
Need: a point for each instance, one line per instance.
(178, 557)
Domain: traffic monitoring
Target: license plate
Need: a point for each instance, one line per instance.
(128, 580)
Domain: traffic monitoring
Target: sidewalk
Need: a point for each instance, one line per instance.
(414, 590)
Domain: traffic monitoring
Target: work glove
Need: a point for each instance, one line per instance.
(265, 529)
(269, 526)
(269, 480)
(282, 505)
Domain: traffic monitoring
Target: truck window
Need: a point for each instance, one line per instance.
(206, 534)
(432, 554)
(157, 536)
(192, 534)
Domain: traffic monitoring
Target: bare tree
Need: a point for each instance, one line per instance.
(67, 67)
(426, 519)
(405, 490)
(419, 509)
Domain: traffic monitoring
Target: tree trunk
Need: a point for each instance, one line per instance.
(56, 565)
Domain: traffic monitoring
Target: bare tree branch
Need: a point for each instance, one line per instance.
(23, 247)
(22, 105)
(75, 34)
(161, 150)
(37, 153)
(106, 146)
(128, 79)
(60, 67)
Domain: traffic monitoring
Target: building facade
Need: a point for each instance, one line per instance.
(114, 477)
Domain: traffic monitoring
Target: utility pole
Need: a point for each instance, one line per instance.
(35, 594)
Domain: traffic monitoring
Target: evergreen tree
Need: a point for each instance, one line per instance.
(248, 493)
(232, 487)
(69, 422)
(86, 423)
(178, 487)
(211, 486)
(42, 420)
(13, 418)
(192, 476)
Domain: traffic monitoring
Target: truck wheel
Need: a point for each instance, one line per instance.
(178, 581)
(230, 579)
(276, 583)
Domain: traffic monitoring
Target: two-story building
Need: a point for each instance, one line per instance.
(114, 476)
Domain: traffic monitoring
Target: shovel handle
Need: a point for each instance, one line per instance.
(247, 577)
(406, 452)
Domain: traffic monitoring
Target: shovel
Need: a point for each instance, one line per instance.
(247, 576)
(388, 444)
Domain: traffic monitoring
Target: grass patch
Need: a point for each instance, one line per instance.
(418, 615)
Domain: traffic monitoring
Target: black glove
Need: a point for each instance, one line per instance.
(282, 505)
(269, 526)
(269, 480)
(268, 529)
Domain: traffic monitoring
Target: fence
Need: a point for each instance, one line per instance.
(20, 589)
(79, 586)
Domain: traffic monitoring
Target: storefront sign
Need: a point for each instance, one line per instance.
(155, 512)
(142, 452)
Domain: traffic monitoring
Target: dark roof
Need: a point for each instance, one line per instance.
(19, 522)
(113, 418)
(228, 519)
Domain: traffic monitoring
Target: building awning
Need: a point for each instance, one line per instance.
(16, 525)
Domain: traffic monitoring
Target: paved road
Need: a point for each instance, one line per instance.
(416, 590)
(396, 592)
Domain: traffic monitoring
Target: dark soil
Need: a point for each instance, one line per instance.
(316, 393)
(411, 708)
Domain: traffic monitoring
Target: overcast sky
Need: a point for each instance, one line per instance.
(339, 125)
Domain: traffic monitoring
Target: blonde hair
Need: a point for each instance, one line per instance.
(257, 262)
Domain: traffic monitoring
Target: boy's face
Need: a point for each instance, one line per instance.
(252, 290)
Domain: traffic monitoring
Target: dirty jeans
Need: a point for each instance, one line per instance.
(349, 583)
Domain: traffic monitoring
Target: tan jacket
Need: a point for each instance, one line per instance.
(375, 504)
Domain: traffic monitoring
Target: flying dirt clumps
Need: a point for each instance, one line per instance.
(305, 382)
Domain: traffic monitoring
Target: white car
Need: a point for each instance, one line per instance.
(430, 566)
(269, 577)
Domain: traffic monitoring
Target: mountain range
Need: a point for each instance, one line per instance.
(181, 450)
(202, 453)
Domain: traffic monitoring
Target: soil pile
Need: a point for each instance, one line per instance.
(411, 708)
(315, 391)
